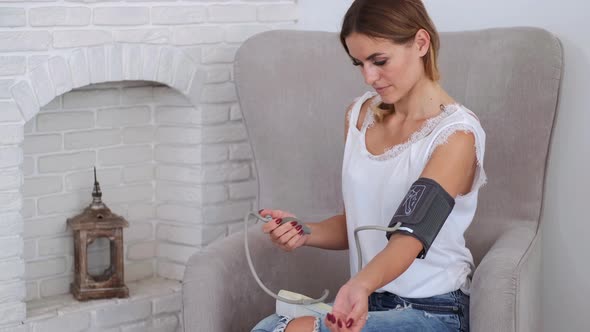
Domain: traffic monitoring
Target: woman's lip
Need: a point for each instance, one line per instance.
(380, 88)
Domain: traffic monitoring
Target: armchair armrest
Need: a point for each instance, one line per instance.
(220, 294)
(506, 288)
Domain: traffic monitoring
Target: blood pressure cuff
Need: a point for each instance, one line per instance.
(423, 212)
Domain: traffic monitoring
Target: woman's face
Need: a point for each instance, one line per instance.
(391, 69)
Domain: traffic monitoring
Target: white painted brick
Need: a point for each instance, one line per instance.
(77, 38)
(177, 115)
(123, 313)
(197, 35)
(37, 186)
(146, 35)
(178, 193)
(12, 65)
(213, 154)
(59, 16)
(125, 155)
(225, 173)
(11, 246)
(92, 138)
(214, 113)
(5, 91)
(134, 135)
(138, 231)
(29, 250)
(55, 246)
(232, 13)
(194, 91)
(179, 173)
(214, 194)
(42, 143)
(219, 54)
(150, 63)
(135, 193)
(121, 15)
(12, 312)
(10, 224)
(45, 268)
(192, 236)
(11, 269)
(10, 179)
(10, 157)
(168, 304)
(45, 226)
(32, 293)
(29, 128)
(239, 33)
(163, 95)
(165, 66)
(73, 322)
(178, 15)
(241, 151)
(141, 173)
(11, 200)
(29, 208)
(241, 190)
(142, 250)
(115, 62)
(97, 64)
(12, 17)
(85, 179)
(168, 323)
(175, 253)
(135, 327)
(137, 95)
(47, 122)
(65, 203)
(219, 93)
(218, 75)
(236, 113)
(224, 133)
(66, 162)
(34, 61)
(24, 41)
(42, 84)
(91, 98)
(60, 75)
(79, 69)
(184, 68)
(179, 213)
(171, 270)
(123, 116)
(132, 62)
(25, 99)
(193, 52)
(138, 270)
(179, 135)
(11, 134)
(53, 105)
(14, 291)
(282, 12)
(141, 211)
(173, 154)
(225, 212)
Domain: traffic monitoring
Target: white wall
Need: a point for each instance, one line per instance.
(565, 218)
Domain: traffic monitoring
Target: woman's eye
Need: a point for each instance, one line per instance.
(356, 63)
(380, 63)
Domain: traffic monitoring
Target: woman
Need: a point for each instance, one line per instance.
(407, 133)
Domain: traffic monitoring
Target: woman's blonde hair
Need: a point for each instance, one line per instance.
(397, 21)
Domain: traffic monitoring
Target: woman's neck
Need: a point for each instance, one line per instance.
(422, 101)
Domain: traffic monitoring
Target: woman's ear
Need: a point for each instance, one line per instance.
(422, 42)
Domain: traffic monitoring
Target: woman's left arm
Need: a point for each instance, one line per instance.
(453, 166)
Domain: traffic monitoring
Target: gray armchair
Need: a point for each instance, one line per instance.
(294, 88)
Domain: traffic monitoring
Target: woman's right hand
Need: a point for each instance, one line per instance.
(288, 236)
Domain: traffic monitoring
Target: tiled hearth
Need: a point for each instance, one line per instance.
(143, 91)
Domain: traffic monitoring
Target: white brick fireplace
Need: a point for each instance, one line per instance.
(143, 91)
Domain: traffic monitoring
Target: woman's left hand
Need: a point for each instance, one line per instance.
(350, 310)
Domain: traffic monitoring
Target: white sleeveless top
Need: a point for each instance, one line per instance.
(373, 186)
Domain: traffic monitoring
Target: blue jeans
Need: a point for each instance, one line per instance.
(389, 312)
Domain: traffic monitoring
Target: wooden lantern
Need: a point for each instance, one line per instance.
(97, 221)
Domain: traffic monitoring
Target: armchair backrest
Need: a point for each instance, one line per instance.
(294, 88)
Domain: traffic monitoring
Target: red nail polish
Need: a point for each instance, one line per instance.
(349, 323)
(300, 232)
(339, 324)
(331, 318)
(298, 227)
(278, 221)
(293, 223)
(260, 211)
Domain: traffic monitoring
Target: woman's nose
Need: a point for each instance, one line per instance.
(371, 75)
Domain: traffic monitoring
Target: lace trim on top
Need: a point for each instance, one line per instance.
(396, 150)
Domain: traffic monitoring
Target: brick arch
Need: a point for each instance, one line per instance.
(113, 62)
